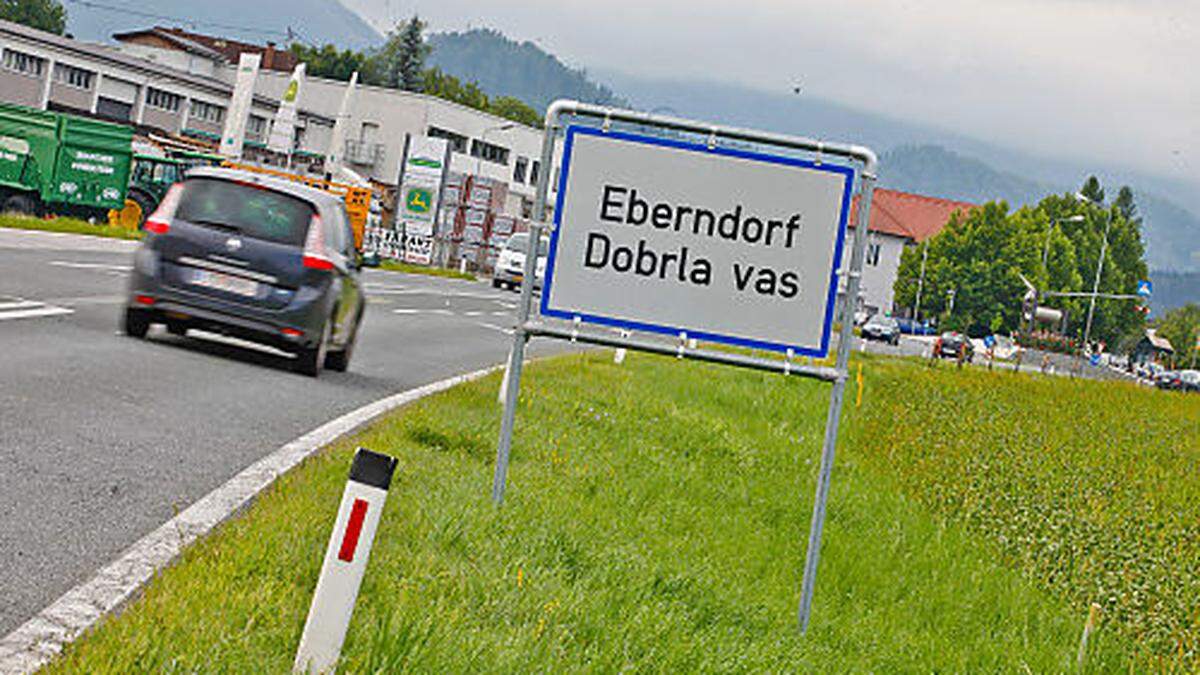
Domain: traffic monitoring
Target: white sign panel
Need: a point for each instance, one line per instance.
(671, 237)
(283, 132)
(239, 105)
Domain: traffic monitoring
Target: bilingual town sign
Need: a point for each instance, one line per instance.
(697, 232)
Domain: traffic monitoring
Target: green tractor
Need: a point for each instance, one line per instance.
(149, 180)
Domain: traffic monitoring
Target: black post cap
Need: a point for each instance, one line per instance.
(372, 468)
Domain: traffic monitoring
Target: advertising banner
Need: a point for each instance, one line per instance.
(239, 106)
(283, 131)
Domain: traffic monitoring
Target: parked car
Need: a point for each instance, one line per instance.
(510, 266)
(883, 328)
(953, 345)
(255, 257)
(1168, 379)
(1190, 380)
(914, 327)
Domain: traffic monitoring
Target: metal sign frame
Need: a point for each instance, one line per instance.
(526, 328)
(831, 292)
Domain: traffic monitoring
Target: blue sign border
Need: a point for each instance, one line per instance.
(831, 298)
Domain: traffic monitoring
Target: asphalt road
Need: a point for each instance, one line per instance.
(104, 437)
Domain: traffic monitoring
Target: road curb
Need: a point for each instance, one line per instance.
(41, 638)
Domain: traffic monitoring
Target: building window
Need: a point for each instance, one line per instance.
(26, 64)
(873, 254)
(208, 112)
(519, 170)
(257, 126)
(163, 100)
(489, 152)
(458, 142)
(72, 76)
(533, 172)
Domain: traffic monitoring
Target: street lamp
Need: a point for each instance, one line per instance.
(483, 141)
(1087, 330)
(1077, 218)
(921, 281)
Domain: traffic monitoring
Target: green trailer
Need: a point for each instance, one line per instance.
(52, 162)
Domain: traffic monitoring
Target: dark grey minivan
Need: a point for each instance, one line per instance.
(253, 257)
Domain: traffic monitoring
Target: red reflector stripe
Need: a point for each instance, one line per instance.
(157, 227)
(291, 332)
(358, 514)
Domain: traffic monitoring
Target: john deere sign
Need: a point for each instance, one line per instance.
(417, 201)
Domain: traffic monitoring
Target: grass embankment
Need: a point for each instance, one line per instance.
(656, 519)
(408, 268)
(67, 225)
(1090, 489)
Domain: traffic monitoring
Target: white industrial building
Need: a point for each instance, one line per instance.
(180, 84)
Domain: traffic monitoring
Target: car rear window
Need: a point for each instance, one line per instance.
(520, 243)
(250, 211)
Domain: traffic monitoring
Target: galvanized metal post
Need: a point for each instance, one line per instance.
(516, 355)
(849, 302)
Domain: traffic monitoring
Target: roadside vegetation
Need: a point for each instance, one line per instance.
(67, 225)
(428, 270)
(656, 521)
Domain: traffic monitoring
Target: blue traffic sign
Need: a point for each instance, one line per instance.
(1145, 288)
(989, 341)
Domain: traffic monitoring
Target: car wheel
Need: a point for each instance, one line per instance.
(20, 204)
(310, 360)
(496, 283)
(339, 361)
(176, 328)
(135, 323)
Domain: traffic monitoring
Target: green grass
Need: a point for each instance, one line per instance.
(655, 522)
(1090, 489)
(397, 266)
(67, 225)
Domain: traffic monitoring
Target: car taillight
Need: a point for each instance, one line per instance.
(316, 256)
(160, 221)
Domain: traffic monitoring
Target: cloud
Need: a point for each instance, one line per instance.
(1101, 80)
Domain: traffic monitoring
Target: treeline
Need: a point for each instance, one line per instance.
(1055, 244)
(401, 64)
(520, 69)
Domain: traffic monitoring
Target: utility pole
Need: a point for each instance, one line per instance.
(1077, 218)
(921, 282)
(1087, 330)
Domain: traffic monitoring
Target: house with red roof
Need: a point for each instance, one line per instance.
(898, 219)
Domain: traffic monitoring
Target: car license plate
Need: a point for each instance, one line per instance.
(225, 282)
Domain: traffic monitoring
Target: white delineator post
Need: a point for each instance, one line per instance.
(345, 561)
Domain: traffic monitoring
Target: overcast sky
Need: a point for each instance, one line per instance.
(1110, 80)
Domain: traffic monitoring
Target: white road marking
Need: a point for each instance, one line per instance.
(92, 266)
(35, 313)
(237, 342)
(406, 311)
(19, 304)
(432, 291)
(492, 326)
(472, 313)
(19, 308)
(41, 638)
(500, 313)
